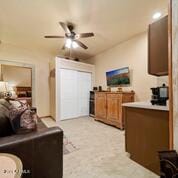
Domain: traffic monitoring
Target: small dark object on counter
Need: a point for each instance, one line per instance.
(100, 88)
(95, 88)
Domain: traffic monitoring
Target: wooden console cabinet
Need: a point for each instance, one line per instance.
(108, 107)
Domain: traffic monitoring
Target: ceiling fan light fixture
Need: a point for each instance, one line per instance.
(71, 38)
(74, 45)
(68, 43)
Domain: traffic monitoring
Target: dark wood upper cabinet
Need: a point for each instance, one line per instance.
(158, 47)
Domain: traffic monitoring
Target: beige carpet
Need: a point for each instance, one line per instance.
(101, 151)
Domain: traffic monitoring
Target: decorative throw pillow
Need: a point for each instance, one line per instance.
(14, 116)
(15, 103)
(22, 118)
(28, 121)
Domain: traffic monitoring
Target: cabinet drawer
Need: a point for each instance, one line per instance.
(112, 95)
(100, 95)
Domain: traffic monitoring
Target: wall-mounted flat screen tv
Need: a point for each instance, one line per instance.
(119, 77)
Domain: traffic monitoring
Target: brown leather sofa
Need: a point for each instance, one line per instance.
(41, 151)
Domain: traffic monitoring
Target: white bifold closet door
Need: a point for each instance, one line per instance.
(84, 88)
(68, 94)
(74, 93)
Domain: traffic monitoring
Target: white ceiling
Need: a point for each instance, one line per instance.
(25, 22)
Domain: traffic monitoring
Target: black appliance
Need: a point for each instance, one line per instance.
(95, 88)
(100, 88)
(168, 163)
(92, 104)
(159, 95)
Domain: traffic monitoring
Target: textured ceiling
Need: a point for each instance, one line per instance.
(25, 22)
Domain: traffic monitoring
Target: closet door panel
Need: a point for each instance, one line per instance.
(68, 94)
(84, 88)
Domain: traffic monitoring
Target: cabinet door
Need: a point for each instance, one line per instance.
(100, 105)
(158, 47)
(113, 105)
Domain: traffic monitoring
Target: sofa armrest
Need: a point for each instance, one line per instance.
(41, 152)
(17, 139)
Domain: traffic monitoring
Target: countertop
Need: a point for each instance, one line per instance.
(146, 105)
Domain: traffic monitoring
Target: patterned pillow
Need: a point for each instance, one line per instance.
(22, 118)
(28, 121)
(18, 103)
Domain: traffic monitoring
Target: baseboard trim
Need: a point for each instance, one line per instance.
(44, 117)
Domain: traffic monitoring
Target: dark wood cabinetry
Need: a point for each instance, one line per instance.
(146, 133)
(108, 107)
(158, 47)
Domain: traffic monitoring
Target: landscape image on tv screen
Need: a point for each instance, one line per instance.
(118, 77)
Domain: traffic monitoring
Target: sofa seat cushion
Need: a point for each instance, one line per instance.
(5, 125)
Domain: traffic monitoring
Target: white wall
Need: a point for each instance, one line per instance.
(40, 60)
(163, 79)
(132, 53)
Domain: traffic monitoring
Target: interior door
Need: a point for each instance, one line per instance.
(84, 88)
(68, 94)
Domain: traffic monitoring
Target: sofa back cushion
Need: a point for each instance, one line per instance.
(5, 126)
(5, 103)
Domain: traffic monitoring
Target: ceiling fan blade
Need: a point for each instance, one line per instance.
(65, 27)
(84, 35)
(53, 36)
(81, 44)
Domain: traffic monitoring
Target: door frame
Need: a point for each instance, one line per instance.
(61, 63)
(170, 69)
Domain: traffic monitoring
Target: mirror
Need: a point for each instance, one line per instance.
(19, 81)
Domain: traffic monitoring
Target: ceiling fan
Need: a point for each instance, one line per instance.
(71, 37)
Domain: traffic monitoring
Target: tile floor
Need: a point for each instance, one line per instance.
(101, 151)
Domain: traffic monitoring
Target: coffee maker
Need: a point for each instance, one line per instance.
(159, 95)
